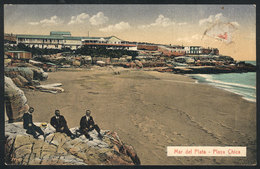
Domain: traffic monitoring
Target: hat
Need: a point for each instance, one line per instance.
(44, 124)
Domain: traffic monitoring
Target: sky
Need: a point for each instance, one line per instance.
(165, 24)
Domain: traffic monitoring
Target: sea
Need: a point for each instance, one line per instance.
(243, 84)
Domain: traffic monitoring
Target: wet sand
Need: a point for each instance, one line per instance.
(152, 110)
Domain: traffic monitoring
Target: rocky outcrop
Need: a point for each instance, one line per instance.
(238, 68)
(29, 73)
(15, 101)
(59, 149)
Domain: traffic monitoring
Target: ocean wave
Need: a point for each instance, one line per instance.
(247, 92)
(210, 79)
(245, 95)
(241, 93)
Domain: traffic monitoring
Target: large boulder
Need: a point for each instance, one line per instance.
(138, 63)
(76, 63)
(59, 149)
(26, 72)
(15, 101)
(29, 73)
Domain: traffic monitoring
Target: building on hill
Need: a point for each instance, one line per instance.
(198, 50)
(195, 50)
(211, 51)
(111, 42)
(58, 40)
(41, 41)
(147, 47)
(72, 42)
(172, 50)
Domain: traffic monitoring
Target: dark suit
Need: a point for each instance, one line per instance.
(60, 125)
(88, 125)
(31, 128)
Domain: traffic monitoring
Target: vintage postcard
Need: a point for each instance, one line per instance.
(129, 84)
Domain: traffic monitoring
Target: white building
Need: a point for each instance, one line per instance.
(41, 41)
(58, 40)
(195, 49)
(111, 42)
(187, 49)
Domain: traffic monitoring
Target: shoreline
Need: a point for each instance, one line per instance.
(152, 110)
(197, 80)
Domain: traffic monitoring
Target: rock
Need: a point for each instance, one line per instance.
(215, 69)
(66, 66)
(29, 73)
(138, 63)
(39, 74)
(26, 72)
(101, 63)
(23, 80)
(53, 88)
(76, 63)
(17, 82)
(59, 149)
(132, 154)
(15, 101)
(132, 65)
(44, 75)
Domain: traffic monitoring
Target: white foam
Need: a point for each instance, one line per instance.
(243, 94)
(231, 87)
(234, 84)
(248, 99)
(209, 78)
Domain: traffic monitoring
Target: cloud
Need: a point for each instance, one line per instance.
(34, 23)
(236, 24)
(182, 23)
(219, 16)
(206, 20)
(117, 27)
(98, 19)
(81, 18)
(212, 19)
(163, 21)
(54, 20)
(160, 21)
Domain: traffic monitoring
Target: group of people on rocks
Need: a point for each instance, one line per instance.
(58, 121)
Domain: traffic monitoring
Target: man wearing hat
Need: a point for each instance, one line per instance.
(60, 124)
(29, 126)
(87, 124)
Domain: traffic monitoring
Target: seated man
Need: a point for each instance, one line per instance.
(59, 123)
(28, 124)
(87, 124)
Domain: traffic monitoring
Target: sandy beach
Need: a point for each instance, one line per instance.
(151, 110)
